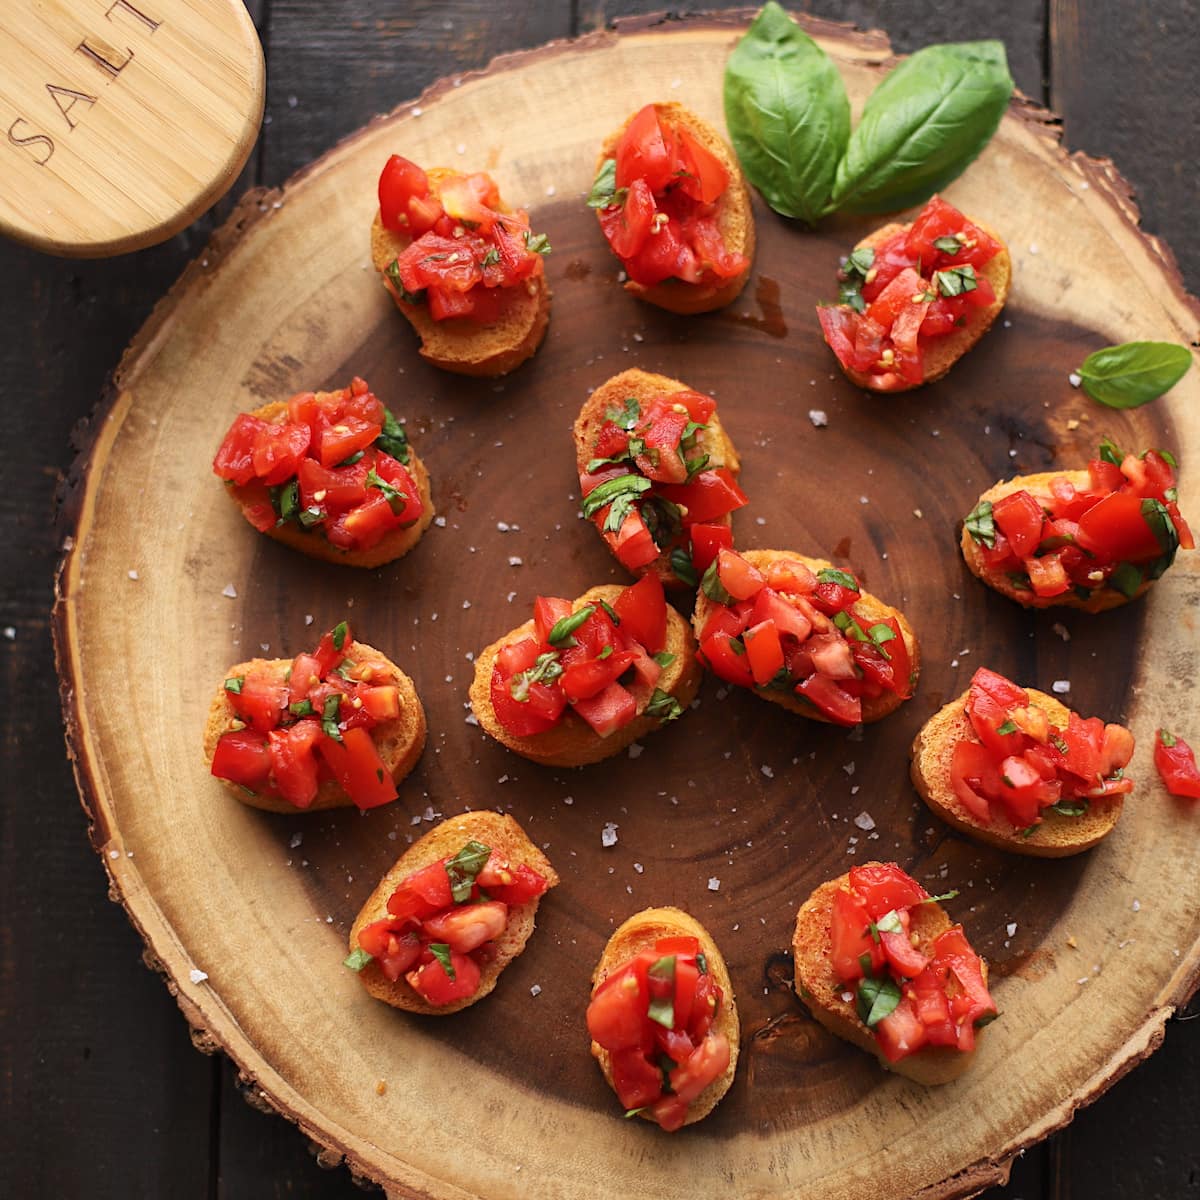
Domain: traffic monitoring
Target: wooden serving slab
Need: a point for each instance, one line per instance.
(736, 811)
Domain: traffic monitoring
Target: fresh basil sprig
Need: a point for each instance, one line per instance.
(787, 113)
(1133, 374)
(923, 126)
(392, 439)
(463, 868)
(877, 998)
(981, 525)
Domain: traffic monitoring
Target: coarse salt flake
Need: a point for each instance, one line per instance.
(1011, 928)
(536, 990)
(1060, 687)
(714, 884)
(608, 835)
(635, 751)
(1061, 630)
(1074, 379)
(197, 976)
(864, 820)
(819, 417)
(230, 591)
(767, 771)
(10, 632)
(133, 575)
(514, 560)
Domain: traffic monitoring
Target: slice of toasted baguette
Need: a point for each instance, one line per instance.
(399, 741)
(572, 742)
(1056, 837)
(639, 933)
(874, 708)
(459, 344)
(314, 543)
(939, 354)
(496, 831)
(644, 387)
(735, 220)
(1038, 486)
(824, 993)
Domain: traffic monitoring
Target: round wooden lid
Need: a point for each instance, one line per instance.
(123, 119)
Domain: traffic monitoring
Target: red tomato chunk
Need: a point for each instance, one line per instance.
(654, 1015)
(312, 726)
(335, 466)
(907, 998)
(1176, 764)
(443, 922)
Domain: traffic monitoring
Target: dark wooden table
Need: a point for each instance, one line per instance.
(103, 1094)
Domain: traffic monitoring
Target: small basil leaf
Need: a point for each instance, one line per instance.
(664, 706)
(560, 635)
(662, 1009)
(1071, 808)
(1111, 453)
(357, 959)
(463, 868)
(712, 586)
(235, 684)
(980, 524)
(1126, 579)
(441, 952)
(681, 564)
(923, 126)
(605, 193)
(393, 440)
(787, 113)
(1134, 373)
(877, 998)
(841, 578)
(339, 634)
(329, 717)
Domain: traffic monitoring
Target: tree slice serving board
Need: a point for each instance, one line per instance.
(735, 812)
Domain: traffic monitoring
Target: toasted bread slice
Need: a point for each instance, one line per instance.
(1038, 486)
(735, 220)
(313, 542)
(639, 933)
(399, 741)
(824, 993)
(939, 354)
(1056, 837)
(874, 708)
(644, 387)
(496, 831)
(459, 344)
(572, 742)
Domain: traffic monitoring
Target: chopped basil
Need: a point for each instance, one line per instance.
(664, 659)
(864, 961)
(1126, 579)
(285, 499)
(695, 465)
(853, 275)
(633, 1112)
(311, 516)
(441, 952)
(620, 493)
(396, 499)
(349, 462)
(560, 635)
(664, 706)
(1109, 453)
(605, 193)
(393, 440)
(877, 998)
(546, 670)
(663, 519)
(1059, 743)
(1007, 727)
(491, 258)
(626, 417)
(1167, 738)
(345, 669)
(612, 612)
(392, 271)
(234, 684)
(951, 244)
(944, 896)
(712, 586)
(954, 281)
(339, 633)
(1020, 580)
(881, 633)
(1155, 514)
(329, 717)
(536, 243)
(841, 578)
(701, 963)
(1007, 782)
(302, 708)
(681, 564)
(606, 652)
(890, 923)
(737, 645)
(980, 525)
(781, 681)
(1171, 494)
(1071, 808)
(357, 959)
(1167, 457)
(662, 1009)
(463, 868)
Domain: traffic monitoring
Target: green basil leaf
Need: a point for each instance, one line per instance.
(702, 962)
(1134, 373)
(392, 271)
(1126, 579)
(1006, 728)
(338, 634)
(951, 244)
(392, 440)
(536, 243)
(980, 524)
(1167, 457)
(612, 612)
(664, 659)
(662, 1010)
(877, 998)
(954, 281)
(396, 499)
(1155, 514)
(787, 114)
(890, 923)
(626, 417)
(606, 652)
(923, 126)
(357, 959)
(1167, 738)
(329, 717)
(441, 952)
(234, 684)
(944, 896)
(605, 193)
(712, 586)
(1071, 808)
(560, 635)
(620, 493)
(546, 669)
(681, 564)
(841, 578)
(663, 519)
(1111, 453)
(309, 517)
(302, 708)
(353, 458)
(664, 706)
(633, 1112)
(463, 868)
(286, 501)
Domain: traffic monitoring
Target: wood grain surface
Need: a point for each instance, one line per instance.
(103, 1092)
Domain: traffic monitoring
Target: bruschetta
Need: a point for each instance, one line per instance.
(915, 298)
(331, 474)
(586, 678)
(879, 964)
(1089, 539)
(1015, 768)
(464, 269)
(657, 473)
(675, 210)
(455, 910)
(802, 633)
(340, 726)
(662, 1013)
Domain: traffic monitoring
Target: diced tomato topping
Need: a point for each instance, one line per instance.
(243, 757)
(642, 610)
(764, 651)
(1176, 764)
(436, 986)
(293, 765)
(609, 711)
(260, 701)
(851, 939)
(884, 887)
(831, 700)
(901, 1032)
(738, 577)
(357, 767)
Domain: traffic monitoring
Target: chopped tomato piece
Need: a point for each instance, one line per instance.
(1020, 518)
(901, 1032)
(357, 767)
(831, 700)
(293, 764)
(884, 887)
(726, 656)
(436, 986)
(243, 757)
(707, 541)
(738, 577)
(466, 927)
(609, 711)
(711, 494)
(764, 651)
(422, 894)
(642, 610)
(1176, 764)
(851, 939)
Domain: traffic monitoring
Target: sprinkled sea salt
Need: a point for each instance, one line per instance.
(635, 751)
(1060, 687)
(197, 976)
(1074, 379)
(1061, 630)
(536, 990)
(1011, 928)
(10, 632)
(864, 820)
(296, 839)
(767, 771)
(515, 560)
(818, 417)
(230, 591)
(714, 884)
(133, 575)
(608, 835)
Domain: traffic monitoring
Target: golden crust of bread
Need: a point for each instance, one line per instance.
(873, 708)
(939, 354)
(459, 344)
(639, 933)
(572, 742)
(1056, 837)
(822, 992)
(1038, 485)
(498, 832)
(399, 742)
(645, 387)
(313, 542)
(735, 220)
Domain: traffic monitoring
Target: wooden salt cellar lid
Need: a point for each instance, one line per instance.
(121, 121)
